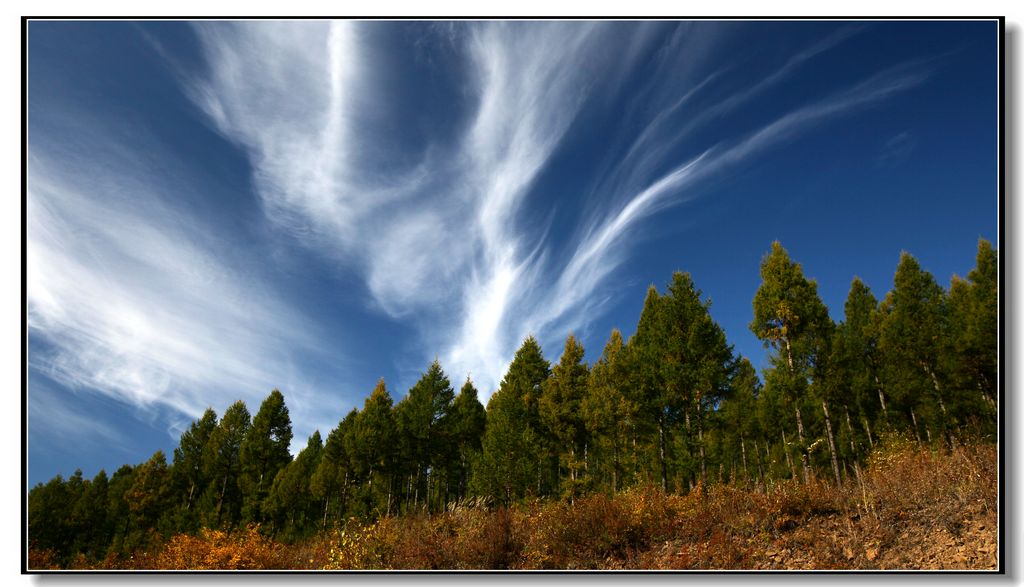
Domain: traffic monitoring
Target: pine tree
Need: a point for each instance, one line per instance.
(609, 415)
(739, 418)
(790, 318)
(854, 370)
(468, 421)
(222, 501)
(118, 519)
(972, 354)
(147, 499)
(914, 333)
(559, 409)
(263, 453)
(333, 477)
(290, 504)
(657, 408)
(514, 454)
(425, 438)
(187, 470)
(696, 362)
(374, 436)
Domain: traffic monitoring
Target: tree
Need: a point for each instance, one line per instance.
(423, 428)
(333, 475)
(973, 353)
(147, 498)
(263, 453)
(222, 501)
(609, 414)
(290, 503)
(187, 470)
(657, 408)
(696, 360)
(373, 451)
(560, 411)
(739, 414)
(468, 420)
(853, 367)
(914, 333)
(512, 458)
(790, 318)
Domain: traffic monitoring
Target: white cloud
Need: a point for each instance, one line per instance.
(445, 244)
(139, 301)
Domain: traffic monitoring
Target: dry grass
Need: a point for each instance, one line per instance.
(909, 509)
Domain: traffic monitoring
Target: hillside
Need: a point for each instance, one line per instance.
(911, 509)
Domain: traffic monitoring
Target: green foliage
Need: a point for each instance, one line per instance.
(559, 408)
(427, 447)
(468, 421)
(373, 449)
(333, 476)
(222, 501)
(262, 454)
(290, 505)
(187, 473)
(610, 416)
(669, 412)
(513, 456)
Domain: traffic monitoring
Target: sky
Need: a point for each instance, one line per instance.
(218, 209)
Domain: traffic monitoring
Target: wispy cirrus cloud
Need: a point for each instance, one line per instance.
(445, 243)
(139, 299)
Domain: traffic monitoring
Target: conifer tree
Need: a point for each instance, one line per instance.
(914, 332)
(973, 352)
(374, 436)
(609, 414)
(696, 361)
(790, 318)
(263, 453)
(658, 409)
(333, 476)
(468, 421)
(222, 501)
(117, 507)
(739, 418)
(290, 504)
(423, 427)
(147, 498)
(560, 411)
(513, 453)
(187, 469)
(853, 368)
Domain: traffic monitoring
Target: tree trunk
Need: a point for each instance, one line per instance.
(661, 453)
(743, 454)
(757, 453)
(831, 442)
(220, 501)
(881, 398)
(849, 426)
(935, 384)
(700, 440)
(804, 460)
(615, 466)
(867, 428)
(799, 421)
(327, 504)
(789, 460)
(917, 434)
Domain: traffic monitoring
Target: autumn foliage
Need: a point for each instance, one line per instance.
(909, 506)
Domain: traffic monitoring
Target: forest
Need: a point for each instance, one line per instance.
(667, 425)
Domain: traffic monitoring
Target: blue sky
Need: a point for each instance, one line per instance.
(218, 209)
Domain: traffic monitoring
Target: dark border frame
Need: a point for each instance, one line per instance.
(1001, 228)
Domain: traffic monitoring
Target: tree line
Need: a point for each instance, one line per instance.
(673, 406)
